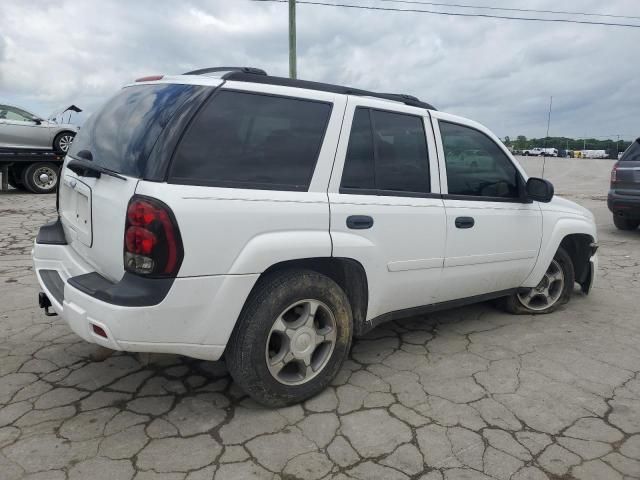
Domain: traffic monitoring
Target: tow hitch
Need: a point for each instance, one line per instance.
(45, 303)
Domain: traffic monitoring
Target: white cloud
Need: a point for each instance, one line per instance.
(500, 73)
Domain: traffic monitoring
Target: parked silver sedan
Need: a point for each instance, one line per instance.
(24, 130)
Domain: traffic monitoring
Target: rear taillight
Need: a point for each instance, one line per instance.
(614, 173)
(152, 243)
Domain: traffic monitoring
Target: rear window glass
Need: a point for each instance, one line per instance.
(249, 140)
(632, 154)
(121, 135)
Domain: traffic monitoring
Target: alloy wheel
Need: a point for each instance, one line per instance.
(547, 292)
(300, 342)
(65, 142)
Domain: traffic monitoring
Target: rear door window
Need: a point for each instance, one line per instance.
(121, 135)
(387, 155)
(251, 140)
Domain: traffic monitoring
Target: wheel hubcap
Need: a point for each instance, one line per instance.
(301, 342)
(45, 178)
(547, 292)
(65, 142)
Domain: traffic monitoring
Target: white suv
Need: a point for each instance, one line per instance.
(271, 220)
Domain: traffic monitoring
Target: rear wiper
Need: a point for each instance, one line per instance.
(86, 169)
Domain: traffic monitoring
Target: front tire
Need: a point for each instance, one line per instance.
(62, 142)
(41, 177)
(553, 290)
(291, 338)
(623, 223)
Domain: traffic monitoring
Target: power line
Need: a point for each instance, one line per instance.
(507, 9)
(456, 14)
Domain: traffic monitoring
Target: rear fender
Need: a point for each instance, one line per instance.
(268, 249)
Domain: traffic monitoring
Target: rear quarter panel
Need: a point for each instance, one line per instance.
(240, 231)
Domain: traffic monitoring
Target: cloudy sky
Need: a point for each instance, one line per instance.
(501, 73)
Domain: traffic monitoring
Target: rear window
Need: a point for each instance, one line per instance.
(122, 134)
(250, 140)
(632, 154)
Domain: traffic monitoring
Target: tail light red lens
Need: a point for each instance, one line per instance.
(140, 240)
(614, 174)
(152, 242)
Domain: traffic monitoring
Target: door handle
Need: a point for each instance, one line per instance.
(465, 222)
(359, 222)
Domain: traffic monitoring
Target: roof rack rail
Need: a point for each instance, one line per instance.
(203, 71)
(243, 75)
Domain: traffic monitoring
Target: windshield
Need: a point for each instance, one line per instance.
(632, 154)
(7, 112)
(121, 135)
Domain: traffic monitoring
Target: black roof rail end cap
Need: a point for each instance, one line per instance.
(202, 71)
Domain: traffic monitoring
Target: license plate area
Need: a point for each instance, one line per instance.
(75, 209)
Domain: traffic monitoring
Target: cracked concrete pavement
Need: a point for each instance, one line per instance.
(471, 393)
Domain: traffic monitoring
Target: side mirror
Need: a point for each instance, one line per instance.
(539, 189)
(37, 121)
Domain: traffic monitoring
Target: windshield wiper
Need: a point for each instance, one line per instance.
(86, 169)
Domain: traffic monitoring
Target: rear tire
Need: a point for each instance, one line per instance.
(278, 352)
(623, 223)
(62, 142)
(554, 289)
(41, 177)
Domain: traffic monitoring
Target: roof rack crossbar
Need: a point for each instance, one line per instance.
(250, 70)
(244, 76)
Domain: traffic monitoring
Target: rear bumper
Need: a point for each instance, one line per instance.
(624, 205)
(195, 318)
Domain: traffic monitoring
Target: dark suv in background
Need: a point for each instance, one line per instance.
(624, 194)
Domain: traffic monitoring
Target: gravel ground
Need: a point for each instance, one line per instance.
(470, 393)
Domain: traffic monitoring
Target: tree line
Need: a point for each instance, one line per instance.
(612, 146)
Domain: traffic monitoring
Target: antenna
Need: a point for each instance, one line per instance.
(544, 155)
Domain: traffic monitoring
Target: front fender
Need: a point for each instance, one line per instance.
(556, 226)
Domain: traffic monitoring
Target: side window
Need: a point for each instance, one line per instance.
(248, 140)
(476, 166)
(402, 161)
(387, 153)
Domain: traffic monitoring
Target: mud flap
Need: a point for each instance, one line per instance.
(588, 282)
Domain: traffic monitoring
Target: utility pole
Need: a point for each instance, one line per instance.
(549, 117)
(544, 158)
(293, 70)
